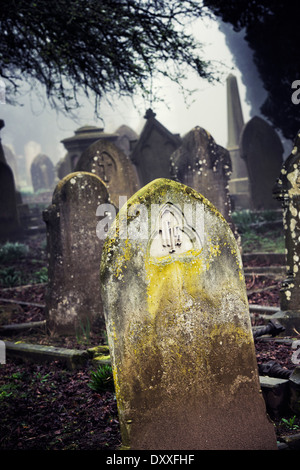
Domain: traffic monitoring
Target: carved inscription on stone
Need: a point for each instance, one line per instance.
(172, 233)
(106, 165)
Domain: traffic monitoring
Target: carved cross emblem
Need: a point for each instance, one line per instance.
(173, 234)
(170, 232)
(106, 167)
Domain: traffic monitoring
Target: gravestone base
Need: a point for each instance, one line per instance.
(290, 319)
(187, 426)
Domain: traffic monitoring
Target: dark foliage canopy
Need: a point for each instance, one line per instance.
(272, 32)
(100, 47)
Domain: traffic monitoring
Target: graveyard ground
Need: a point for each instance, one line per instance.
(48, 406)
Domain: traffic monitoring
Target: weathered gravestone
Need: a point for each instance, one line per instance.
(151, 154)
(11, 160)
(262, 150)
(10, 225)
(178, 325)
(204, 166)
(77, 144)
(115, 169)
(74, 252)
(127, 137)
(42, 173)
(287, 191)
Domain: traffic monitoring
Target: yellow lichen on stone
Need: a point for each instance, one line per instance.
(101, 358)
(120, 260)
(237, 333)
(214, 250)
(168, 277)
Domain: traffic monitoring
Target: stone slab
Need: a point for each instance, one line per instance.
(275, 393)
(19, 327)
(40, 353)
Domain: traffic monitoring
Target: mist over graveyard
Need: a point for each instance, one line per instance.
(34, 127)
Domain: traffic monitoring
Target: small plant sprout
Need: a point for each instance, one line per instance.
(290, 423)
(102, 379)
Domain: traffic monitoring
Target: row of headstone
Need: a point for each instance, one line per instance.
(160, 264)
(197, 162)
(255, 151)
(74, 252)
(172, 291)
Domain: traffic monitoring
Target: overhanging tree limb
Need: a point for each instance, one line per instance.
(100, 47)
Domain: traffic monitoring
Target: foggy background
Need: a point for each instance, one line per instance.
(36, 128)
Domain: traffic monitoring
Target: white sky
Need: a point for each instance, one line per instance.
(207, 107)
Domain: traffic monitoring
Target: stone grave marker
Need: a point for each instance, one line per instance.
(287, 192)
(127, 137)
(42, 173)
(77, 144)
(115, 169)
(10, 225)
(178, 326)
(151, 154)
(74, 252)
(262, 150)
(11, 160)
(204, 166)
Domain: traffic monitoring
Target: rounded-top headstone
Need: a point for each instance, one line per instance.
(115, 169)
(42, 173)
(74, 253)
(262, 150)
(178, 326)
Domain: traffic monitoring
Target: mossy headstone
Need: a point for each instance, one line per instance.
(42, 173)
(74, 252)
(178, 326)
